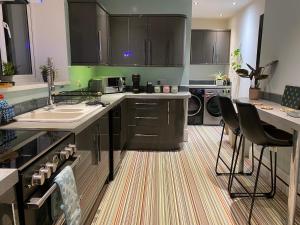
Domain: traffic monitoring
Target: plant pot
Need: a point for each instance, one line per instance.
(45, 79)
(219, 82)
(254, 93)
(6, 78)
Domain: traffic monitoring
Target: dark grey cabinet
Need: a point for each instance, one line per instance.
(147, 40)
(89, 32)
(119, 33)
(154, 124)
(210, 47)
(93, 147)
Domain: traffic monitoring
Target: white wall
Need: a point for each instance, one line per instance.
(49, 28)
(202, 23)
(207, 72)
(281, 41)
(244, 35)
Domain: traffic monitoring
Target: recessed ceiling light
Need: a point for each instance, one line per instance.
(195, 2)
(234, 3)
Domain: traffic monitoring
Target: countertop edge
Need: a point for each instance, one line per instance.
(8, 178)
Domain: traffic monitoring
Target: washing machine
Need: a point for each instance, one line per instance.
(212, 114)
(196, 107)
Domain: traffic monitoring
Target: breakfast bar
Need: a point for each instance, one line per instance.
(275, 114)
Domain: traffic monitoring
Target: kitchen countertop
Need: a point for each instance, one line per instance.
(77, 126)
(208, 86)
(8, 178)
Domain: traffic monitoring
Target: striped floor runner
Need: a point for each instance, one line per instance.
(180, 188)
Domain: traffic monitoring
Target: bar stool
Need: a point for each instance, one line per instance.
(230, 119)
(264, 136)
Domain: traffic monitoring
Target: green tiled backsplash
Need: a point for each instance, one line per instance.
(80, 75)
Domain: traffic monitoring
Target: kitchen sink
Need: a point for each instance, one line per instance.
(50, 116)
(68, 110)
(59, 114)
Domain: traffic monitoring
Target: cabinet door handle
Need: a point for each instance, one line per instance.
(140, 103)
(146, 135)
(146, 118)
(168, 112)
(100, 45)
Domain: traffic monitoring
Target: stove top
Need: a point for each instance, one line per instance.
(19, 147)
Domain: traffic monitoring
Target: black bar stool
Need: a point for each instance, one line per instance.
(230, 119)
(266, 136)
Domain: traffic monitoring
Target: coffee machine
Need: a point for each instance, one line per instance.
(136, 78)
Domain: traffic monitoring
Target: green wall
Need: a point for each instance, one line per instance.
(167, 75)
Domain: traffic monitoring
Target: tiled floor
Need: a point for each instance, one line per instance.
(169, 188)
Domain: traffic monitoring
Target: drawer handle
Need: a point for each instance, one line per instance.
(146, 135)
(147, 118)
(139, 103)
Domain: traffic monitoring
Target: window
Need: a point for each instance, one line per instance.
(15, 42)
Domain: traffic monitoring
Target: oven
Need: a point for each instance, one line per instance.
(39, 156)
(43, 206)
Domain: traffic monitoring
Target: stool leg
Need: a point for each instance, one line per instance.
(219, 151)
(233, 167)
(273, 173)
(255, 185)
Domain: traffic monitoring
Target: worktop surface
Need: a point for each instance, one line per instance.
(77, 126)
(8, 178)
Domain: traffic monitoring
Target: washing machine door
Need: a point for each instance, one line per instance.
(212, 107)
(195, 105)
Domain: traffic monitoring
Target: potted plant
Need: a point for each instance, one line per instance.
(237, 59)
(255, 75)
(44, 72)
(222, 79)
(8, 70)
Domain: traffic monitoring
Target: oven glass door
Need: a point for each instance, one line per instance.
(45, 208)
(49, 214)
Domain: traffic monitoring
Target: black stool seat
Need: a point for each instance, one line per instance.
(277, 137)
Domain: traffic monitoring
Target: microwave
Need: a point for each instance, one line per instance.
(113, 85)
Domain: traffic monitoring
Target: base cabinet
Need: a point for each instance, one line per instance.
(154, 124)
(93, 170)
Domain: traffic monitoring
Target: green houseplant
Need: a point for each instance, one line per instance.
(8, 70)
(236, 59)
(44, 72)
(255, 75)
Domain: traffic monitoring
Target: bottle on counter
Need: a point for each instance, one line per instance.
(157, 88)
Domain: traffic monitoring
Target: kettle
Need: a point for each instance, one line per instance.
(95, 85)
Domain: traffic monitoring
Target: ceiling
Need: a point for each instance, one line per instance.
(217, 8)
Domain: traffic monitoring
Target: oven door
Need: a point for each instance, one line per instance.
(44, 209)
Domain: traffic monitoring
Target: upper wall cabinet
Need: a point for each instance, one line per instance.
(147, 40)
(210, 47)
(89, 32)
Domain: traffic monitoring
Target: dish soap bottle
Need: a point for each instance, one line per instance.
(157, 88)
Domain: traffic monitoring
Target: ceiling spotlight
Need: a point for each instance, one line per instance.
(234, 3)
(195, 2)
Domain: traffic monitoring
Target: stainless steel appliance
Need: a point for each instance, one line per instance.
(136, 78)
(38, 156)
(113, 85)
(212, 114)
(196, 107)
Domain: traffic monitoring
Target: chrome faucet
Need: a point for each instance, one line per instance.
(51, 86)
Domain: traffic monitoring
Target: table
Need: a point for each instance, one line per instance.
(281, 120)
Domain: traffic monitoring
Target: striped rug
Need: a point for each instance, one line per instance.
(181, 188)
